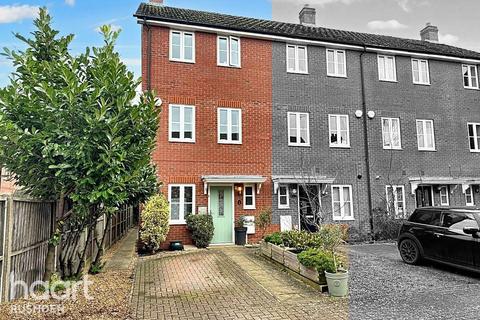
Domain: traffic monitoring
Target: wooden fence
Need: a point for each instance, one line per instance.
(25, 229)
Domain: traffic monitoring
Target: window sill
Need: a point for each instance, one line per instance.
(181, 141)
(471, 88)
(228, 66)
(177, 223)
(343, 219)
(390, 81)
(475, 151)
(284, 208)
(249, 208)
(182, 61)
(299, 145)
(336, 76)
(427, 150)
(339, 146)
(230, 142)
(422, 84)
(298, 72)
(394, 149)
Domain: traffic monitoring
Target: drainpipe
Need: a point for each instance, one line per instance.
(365, 140)
(149, 54)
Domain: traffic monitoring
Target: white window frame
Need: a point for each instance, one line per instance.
(395, 199)
(182, 46)
(296, 69)
(245, 206)
(297, 121)
(283, 206)
(342, 210)
(181, 216)
(469, 75)
(390, 133)
(424, 130)
(381, 59)
(229, 52)
(337, 144)
(476, 135)
(335, 63)
(229, 126)
(419, 72)
(445, 195)
(182, 124)
(467, 203)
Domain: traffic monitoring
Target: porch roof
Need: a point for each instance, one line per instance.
(295, 179)
(466, 182)
(232, 179)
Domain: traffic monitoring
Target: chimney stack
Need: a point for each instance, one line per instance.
(307, 16)
(157, 2)
(429, 33)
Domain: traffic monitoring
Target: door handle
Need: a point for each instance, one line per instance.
(438, 235)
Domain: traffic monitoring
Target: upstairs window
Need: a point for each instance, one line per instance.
(342, 202)
(336, 63)
(182, 46)
(283, 197)
(297, 59)
(229, 126)
(228, 54)
(474, 136)
(181, 198)
(181, 127)
(386, 68)
(249, 197)
(391, 133)
(425, 135)
(420, 71)
(470, 76)
(396, 200)
(339, 131)
(298, 129)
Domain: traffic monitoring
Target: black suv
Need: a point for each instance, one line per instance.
(449, 235)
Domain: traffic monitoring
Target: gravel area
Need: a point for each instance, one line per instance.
(383, 287)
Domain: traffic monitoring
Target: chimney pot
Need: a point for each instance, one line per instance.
(429, 33)
(307, 16)
(157, 2)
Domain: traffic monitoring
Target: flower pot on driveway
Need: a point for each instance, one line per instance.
(337, 283)
(240, 236)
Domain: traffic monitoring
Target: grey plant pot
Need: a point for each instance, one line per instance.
(337, 283)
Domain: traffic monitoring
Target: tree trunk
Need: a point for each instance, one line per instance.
(50, 259)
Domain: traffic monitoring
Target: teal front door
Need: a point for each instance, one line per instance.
(221, 209)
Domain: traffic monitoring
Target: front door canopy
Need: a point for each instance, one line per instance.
(299, 179)
(464, 182)
(233, 179)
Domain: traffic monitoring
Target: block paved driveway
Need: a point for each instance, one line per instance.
(225, 283)
(383, 287)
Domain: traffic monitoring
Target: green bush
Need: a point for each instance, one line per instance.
(300, 240)
(155, 222)
(275, 238)
(264, 220)
(319, 259)
(386, 227)
(201, 227)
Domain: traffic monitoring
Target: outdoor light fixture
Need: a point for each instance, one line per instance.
(294, 191)
(358, 113)
(239, 189)
(371, 114)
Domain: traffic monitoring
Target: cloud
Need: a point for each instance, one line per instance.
(132, 62)
(14, 13)
(447, 38)
(407, 5)
(71, 3)
(386, 25)
(115, 27)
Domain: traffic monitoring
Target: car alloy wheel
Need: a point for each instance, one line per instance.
(409, 251)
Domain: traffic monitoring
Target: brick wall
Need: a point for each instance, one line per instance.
(208, 86)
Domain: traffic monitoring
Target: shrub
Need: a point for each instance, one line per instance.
(386, 227)
(155, 222)
(264, 220)
(201, 227)
(275, 238)
(319, 259)
(300, 240)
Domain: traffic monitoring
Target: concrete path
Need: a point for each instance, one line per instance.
(123, 256)
(225, 283)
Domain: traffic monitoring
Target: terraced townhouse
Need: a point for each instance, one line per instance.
(259, 113)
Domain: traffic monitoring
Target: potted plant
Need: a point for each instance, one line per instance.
(337, 276)
(240, 231)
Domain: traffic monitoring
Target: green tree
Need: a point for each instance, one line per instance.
(69, 129)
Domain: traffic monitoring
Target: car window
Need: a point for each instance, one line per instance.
(456, 221)
(426, 217)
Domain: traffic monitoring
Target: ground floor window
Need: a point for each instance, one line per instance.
(396, 200)
(469, 197)
(182, 202)
(249, 197)
(342, 202)
(444, 196)
(283, 198)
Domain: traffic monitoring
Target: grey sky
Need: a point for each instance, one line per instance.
(458, 20)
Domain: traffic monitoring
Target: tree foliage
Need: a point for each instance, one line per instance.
(155, 222)
(69, 128)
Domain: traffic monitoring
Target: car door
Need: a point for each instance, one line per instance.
(426, 228)
(458, 247)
